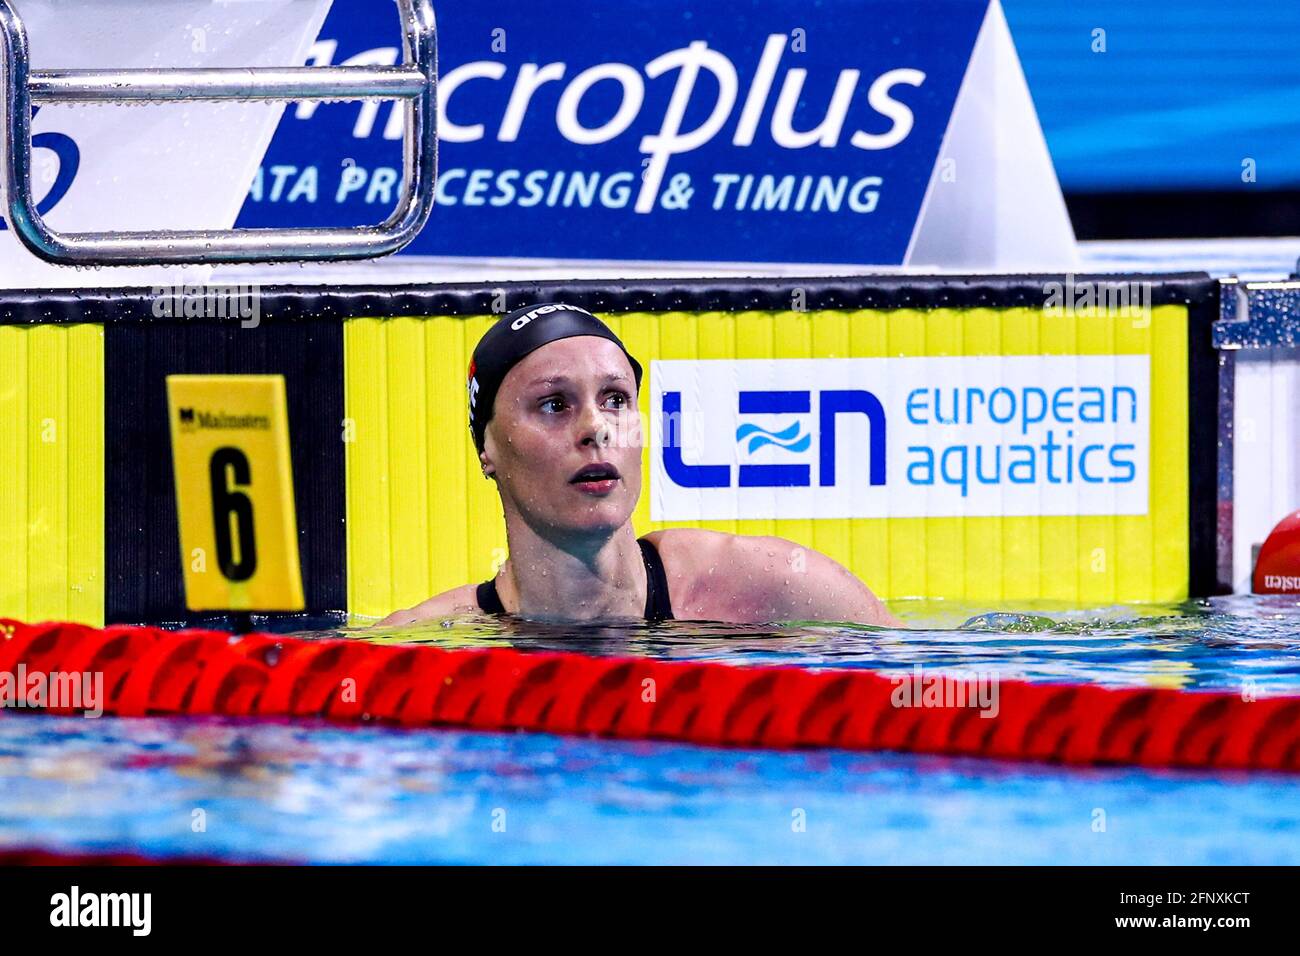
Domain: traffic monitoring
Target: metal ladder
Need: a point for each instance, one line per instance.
(413, 81)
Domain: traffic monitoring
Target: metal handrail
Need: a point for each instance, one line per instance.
(413, 82)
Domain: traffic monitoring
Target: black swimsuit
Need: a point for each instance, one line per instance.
(657, 605)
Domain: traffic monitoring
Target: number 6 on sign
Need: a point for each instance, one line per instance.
(231, 463)
(234, 492)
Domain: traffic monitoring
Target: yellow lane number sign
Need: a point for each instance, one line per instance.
(234, 492)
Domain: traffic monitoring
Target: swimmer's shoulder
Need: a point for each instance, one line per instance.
(461, 600)
(699, 565)
(718, 576)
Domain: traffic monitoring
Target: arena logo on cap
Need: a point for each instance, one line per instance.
(900, 437)
(527, 317)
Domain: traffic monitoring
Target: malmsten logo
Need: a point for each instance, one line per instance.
(191, 420)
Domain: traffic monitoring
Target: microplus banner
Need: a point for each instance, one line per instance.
(900, 437)
(772, 131)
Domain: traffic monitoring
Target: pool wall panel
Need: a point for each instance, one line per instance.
(143, 558)
(1086, 559)
(392, 506)
(51, 480)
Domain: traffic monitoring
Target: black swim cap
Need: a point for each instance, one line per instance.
(515, 336)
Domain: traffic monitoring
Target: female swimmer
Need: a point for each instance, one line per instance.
(553, 413)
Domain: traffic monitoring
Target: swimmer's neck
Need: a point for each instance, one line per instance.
(580, 579)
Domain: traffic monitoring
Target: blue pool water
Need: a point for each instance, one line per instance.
(325, 793)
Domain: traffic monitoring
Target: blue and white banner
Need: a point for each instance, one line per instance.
(899, 437)
(669, 130)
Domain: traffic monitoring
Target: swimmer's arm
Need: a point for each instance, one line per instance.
(789, 582)
(461, 600)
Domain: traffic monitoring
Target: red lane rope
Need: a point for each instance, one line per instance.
(39, 857)
(151, 671)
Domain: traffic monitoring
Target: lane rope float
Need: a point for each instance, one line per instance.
(149, 671)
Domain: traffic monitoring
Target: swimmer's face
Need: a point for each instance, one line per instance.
(566, 409)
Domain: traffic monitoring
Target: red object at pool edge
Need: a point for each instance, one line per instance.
(1277, 570)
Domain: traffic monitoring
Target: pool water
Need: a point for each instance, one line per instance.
(314, 792)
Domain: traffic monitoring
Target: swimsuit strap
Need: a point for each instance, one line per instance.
(489, 601)
(658, 605)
